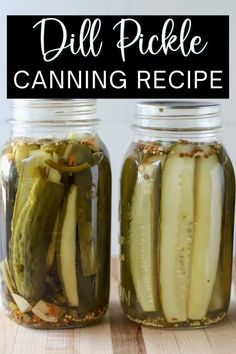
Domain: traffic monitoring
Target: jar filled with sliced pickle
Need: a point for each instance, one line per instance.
(177, 216)
(55, 215)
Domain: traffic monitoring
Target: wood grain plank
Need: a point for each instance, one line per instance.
(232, 312)
(94, 339)
(30, 341)
(222, 338)
(60, 342)
(118, 335)
(126, 336)
(197, 340)
(160, 341)
(8, 331)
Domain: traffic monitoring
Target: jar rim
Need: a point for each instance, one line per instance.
(177, 108)
(53, 110)
(178, 115)
(53, 101)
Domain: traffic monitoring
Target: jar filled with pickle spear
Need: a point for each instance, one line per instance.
(55, 204)
(176, 217)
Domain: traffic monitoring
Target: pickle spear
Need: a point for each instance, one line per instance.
(217, 297)
(30, 170)
(32, 236)
(86, 182)
(177, 216)
(86, 285)
(207, 233)
(103, 226)
(226, 256)
(52, 247)
(143, 235)
(9, 181)
(66, 255)
(127, 183)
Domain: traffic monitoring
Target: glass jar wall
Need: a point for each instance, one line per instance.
(55, 212)
(176, 217)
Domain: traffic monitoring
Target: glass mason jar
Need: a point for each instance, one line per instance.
(55, 215)
(177, 215)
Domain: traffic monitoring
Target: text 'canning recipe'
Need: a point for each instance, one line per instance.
(118, 57)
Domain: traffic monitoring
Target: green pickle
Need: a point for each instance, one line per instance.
(55, 255)
(176, 224)
(103, 227)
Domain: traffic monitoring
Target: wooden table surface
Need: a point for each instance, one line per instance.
(119, 336)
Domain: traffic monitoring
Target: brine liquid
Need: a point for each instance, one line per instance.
(55, 231)
(176, 236)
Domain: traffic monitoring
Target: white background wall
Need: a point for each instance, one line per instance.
(117, 115)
